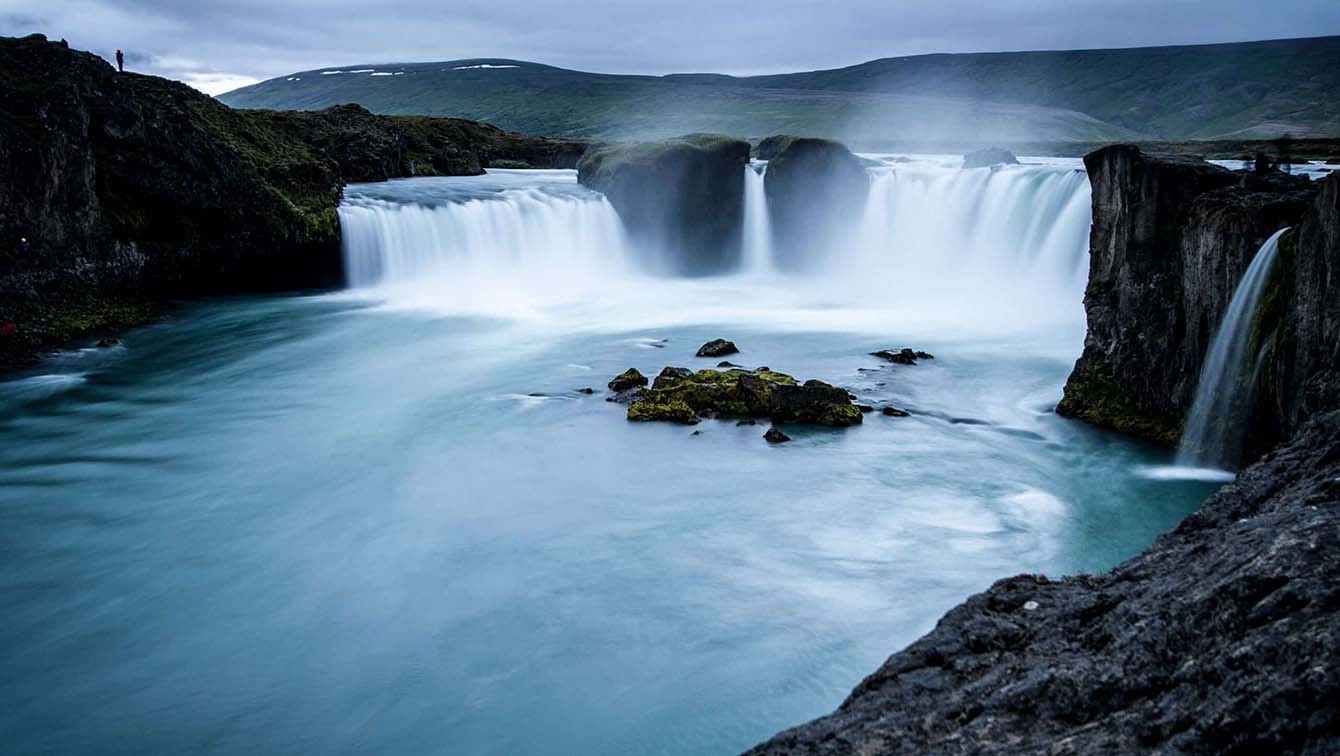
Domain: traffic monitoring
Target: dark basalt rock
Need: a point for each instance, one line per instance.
(717, 348)
(816, 191)
(108, 342)
(775, 436)
(678, 393)
(669, 375)
(902, 356)
(814, 402)
(728, 364)
(990, 156)
(133, 191)
(628, 379)
(1170, 240)
(587, 390)
(1222, 638)
(894, 412)
(680, 198)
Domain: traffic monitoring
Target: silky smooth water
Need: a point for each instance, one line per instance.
(383, 521)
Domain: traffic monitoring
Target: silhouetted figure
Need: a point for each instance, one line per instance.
(1284, 153)
(120, 62)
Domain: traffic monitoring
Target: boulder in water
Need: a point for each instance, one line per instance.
(669, 375)
(717, 348)
(900, 357)
(991, 156)
(628, 379)
(775, 436)
(815, 402)
(683, 197)
(893, 412)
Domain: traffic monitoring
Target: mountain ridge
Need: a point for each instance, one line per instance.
(1260, 89)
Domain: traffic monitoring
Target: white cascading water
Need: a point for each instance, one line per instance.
(1018, 226)
(388, 241)
(938, 243)
(757, 255)
(1214, 428)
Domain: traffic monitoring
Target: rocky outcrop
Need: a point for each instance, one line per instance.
(1222, 638)
(133, 190)
(816, 191)
(717, 348)
(1171, 238)
(990, 156)
(683, 396)
(681, 199)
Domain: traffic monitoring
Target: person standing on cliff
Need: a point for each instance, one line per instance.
(120, 62)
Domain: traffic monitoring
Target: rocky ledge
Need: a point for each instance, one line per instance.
(1222, 638)
(816, 192)
(1170, 240)
(684, 194)
(119, 192)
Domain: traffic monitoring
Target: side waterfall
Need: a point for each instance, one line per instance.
(1216, 424)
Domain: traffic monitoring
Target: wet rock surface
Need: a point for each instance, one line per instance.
(717, 348)
(628, 379)
(684, 396)
(902, 356)
(1222, 638)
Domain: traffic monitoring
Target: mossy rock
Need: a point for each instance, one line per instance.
(679, 395)
(1095, 397)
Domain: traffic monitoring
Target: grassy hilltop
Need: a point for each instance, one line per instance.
(1230, 91)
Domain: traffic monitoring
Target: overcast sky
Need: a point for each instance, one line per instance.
(217, 46)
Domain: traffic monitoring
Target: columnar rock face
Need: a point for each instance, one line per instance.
(131, 190)
(1222, 638)
(816, 192)
(680, 199)
(1171, 238)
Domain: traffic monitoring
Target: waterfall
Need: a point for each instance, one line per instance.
(1026, 222)
(983, 248)
(421, 228)
(1216, 425)
(757, 225)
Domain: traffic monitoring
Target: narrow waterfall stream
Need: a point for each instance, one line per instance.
(1216, 424)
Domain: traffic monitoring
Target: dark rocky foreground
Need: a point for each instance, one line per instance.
(1222, 638)
(1171, 238)
(685, 194)
(133, 190)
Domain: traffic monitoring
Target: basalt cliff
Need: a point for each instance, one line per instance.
(120, 192)
(1224, 636)
(1171, 238)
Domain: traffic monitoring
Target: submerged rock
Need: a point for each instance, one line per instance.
(587, 390)
(628, 379)
(728, 364)
(902, 356)
(894, 412)
(717, 348)
(669, 375)
(108, 342)
(988, 157)
(775, 436)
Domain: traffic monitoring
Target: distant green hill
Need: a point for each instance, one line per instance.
(1240, 90)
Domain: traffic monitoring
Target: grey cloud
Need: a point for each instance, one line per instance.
(222, 42)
